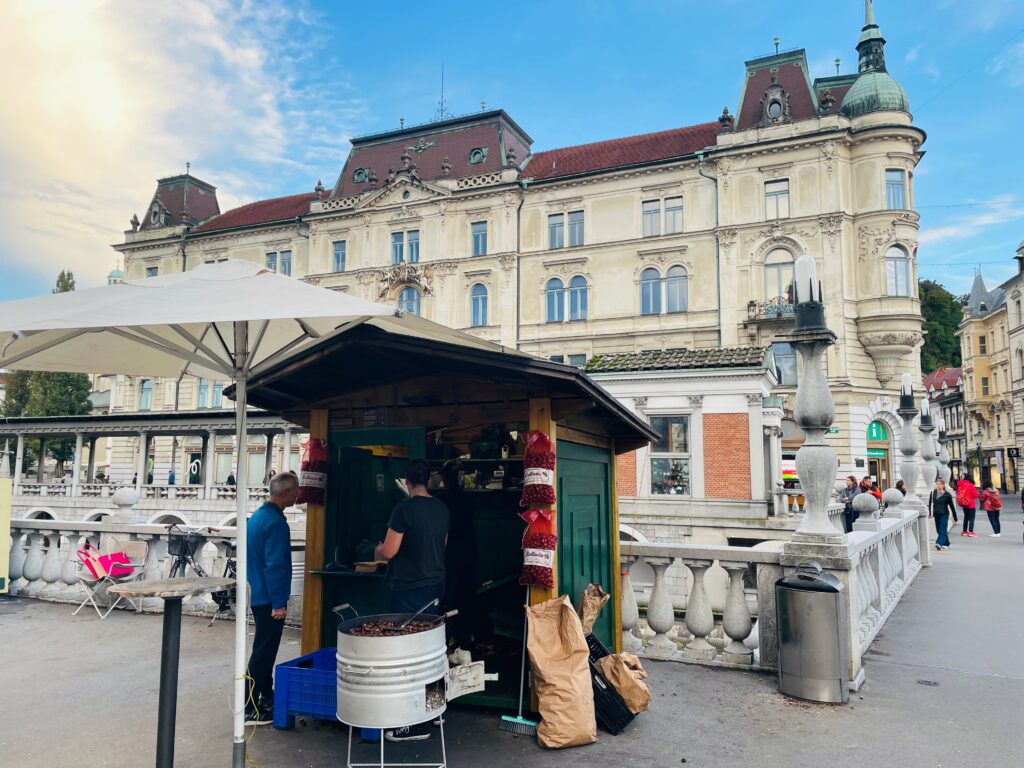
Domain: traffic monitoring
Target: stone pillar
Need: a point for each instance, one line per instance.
(209, 463)
(909, 470)
(944, 471)
(660, 615)
(630, 613)
(699, 618)
(90, 470)
(928, 468)
(140, 466)
(268, 465)
(756, 446)
(736, 620)
(76, 463)
(19, 463)
(286, 461)
(42, 460)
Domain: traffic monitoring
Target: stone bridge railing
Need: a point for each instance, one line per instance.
(715, 605)
(106, 490)
(44, 565)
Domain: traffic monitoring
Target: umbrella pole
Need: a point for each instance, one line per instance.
(241, 517)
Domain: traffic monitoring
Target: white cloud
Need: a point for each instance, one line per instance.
(1009, 65)
(102, 98)
(913, 53)
(1000, 210)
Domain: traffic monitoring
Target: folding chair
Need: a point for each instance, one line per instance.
(98, 570)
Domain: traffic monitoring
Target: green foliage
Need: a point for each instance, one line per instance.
(65, 281)
(942, 314)
(17, 389)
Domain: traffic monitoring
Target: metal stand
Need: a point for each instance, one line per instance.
(167, 713)
(382, 764)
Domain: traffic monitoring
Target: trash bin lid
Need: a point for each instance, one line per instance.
(810, 577)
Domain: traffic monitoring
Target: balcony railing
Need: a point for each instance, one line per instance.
(106, 490)
(778, 309)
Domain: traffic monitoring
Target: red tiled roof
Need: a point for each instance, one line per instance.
(619, 153)
(200, 204)
(936, 378)
(792, 76)
(261, 212)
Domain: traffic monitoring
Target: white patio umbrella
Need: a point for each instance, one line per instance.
(232, 319)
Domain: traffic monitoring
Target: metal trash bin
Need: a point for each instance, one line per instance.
(813, 657)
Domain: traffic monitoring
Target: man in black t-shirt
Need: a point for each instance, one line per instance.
(415, 543)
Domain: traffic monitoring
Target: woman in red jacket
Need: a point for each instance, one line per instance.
(967, 499)
(991, 503)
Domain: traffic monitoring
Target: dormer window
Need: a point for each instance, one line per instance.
(477, 155)
(360, 176)
(155, 215)
(774, 110)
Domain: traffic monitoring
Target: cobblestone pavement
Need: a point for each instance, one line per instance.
(945, 687)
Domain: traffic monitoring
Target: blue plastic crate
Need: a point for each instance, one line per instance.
(306, 686)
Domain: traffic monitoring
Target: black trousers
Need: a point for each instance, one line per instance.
(969, 514)
(848, 518)
(993, 520)
(264, 653)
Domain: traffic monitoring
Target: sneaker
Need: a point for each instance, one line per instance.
(938, 546)
(408, 733)
(972, 534)
(995, 535)
(260, 716)
(946, 546)
(964, 533)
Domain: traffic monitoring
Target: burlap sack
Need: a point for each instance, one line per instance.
(593, 601)
(561, 674)
(634, 693)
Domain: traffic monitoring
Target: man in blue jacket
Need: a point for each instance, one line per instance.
(269, 573)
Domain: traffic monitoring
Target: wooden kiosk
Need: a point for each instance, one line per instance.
(379, 399)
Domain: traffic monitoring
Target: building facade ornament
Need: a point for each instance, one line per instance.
(754, 398)
(696, 401)
(727, 236)
(828, 154)
(639, 402)
(421, 146)
(831, 226)
(403, 274)
(774, 103)
(507, 261)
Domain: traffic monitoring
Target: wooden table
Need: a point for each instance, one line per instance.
(172, 591)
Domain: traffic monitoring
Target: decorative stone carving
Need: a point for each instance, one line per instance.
(888, 349)
(366, 277)
(831, 226)
(774, 103)
(778, 230)
(828, 154)
(727, 236)
(446, 166)
(443, 270)
(825, 102)
(754, 398)
(507, 261)
(421, 146)
(135, 222)
(725, 119)
(403, 274)
(696, 401)
(639, 402)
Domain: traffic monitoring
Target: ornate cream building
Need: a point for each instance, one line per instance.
(683, 238)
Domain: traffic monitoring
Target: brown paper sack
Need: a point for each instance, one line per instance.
(593, 601)
(559, 659)
(634, 665)
(634, 693)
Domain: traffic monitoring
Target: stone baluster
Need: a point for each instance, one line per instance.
(17, 562)
(929, 468)
(736, 620)
(53, 566)
(69, 569)
(873, 568)
(630, 611)
(661, 617)
(700, 620)
(32, 571)
(156, 551)
(943, 457)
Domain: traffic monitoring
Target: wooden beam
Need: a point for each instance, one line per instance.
(584, 438)
(540, 418)
(313, 585)
(616, 586)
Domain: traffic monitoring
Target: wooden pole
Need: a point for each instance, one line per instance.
(540, 418)
(312, 584)
(616, 585)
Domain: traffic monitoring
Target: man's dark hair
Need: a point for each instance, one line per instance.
(417, 472)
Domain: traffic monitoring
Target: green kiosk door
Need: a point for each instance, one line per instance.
(584, 527)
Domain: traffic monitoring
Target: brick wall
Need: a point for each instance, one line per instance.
(625, 474)
(726, 456)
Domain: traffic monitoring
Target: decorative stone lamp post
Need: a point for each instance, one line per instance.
(928, 467)
(908, 442)
(944, 471)
(814, 407)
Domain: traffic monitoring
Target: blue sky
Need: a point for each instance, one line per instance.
(262, 97)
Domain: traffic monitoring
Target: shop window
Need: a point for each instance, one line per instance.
(897, 272)
(670, 456)
(340, 248)
(409, 300)
(478, 305)
(776, 199)
(895, 189)
(479, 230)
(785, 363)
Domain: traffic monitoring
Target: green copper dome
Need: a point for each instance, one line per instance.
(874, 91)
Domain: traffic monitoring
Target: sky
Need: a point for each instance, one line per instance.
(100, 98)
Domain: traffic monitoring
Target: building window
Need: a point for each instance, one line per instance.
(285, 263)
(897, 272)
(984, 386)
(999, 426)
(397, 247)
(146, 395)
(673, 215)
(785, 363)
(478, 305)
(670, 456)
(776, 199)
(203, 393)
(895, 189)
(359, 176)
(778, 276)
(578, 298)
(152, 271)
(982, 345)
(557, 358)
(651, 217)
(676, 293)
(650, 292)
(575, 228)
(554, 301)
(409, 300)
(340, 246)
(578, 360)
(479, 229)
(556, 230)
(272, 261)
(477, 155)
(413, 239)
(218, 395)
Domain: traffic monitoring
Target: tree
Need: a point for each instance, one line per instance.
(65, 281)
(942, 315)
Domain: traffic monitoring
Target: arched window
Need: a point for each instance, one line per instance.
(554, 299)
(676, 294)
(650, 292)
(409, 300)
(778, 276)
(478, 305)
(897, 272)
(578, 298)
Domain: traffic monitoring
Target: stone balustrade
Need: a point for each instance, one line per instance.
(106, 490)
(722, 611)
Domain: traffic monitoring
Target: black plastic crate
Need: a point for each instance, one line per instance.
(598, 650)
(612, 713)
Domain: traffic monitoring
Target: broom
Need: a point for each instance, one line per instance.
(519, 724)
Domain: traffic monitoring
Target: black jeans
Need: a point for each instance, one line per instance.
(411, 600)
(264, 653)
(848, 518)
(969, 514)
(993, 520)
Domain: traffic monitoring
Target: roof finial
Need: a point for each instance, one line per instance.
(401, 122)
(483, 105)
(188, 167)
(776, 40)
(837, 62)
(869, 13)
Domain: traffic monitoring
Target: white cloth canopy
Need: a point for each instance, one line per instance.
(228, 320)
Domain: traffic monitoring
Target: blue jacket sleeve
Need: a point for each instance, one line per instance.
(278, 569)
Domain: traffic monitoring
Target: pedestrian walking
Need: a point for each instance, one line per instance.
(269, 573)
(940, 506)
(846, 499)
(991, 503)
(967, 499)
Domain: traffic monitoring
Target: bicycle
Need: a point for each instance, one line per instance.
(182, 545)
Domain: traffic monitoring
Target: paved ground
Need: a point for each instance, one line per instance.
(945, 687)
